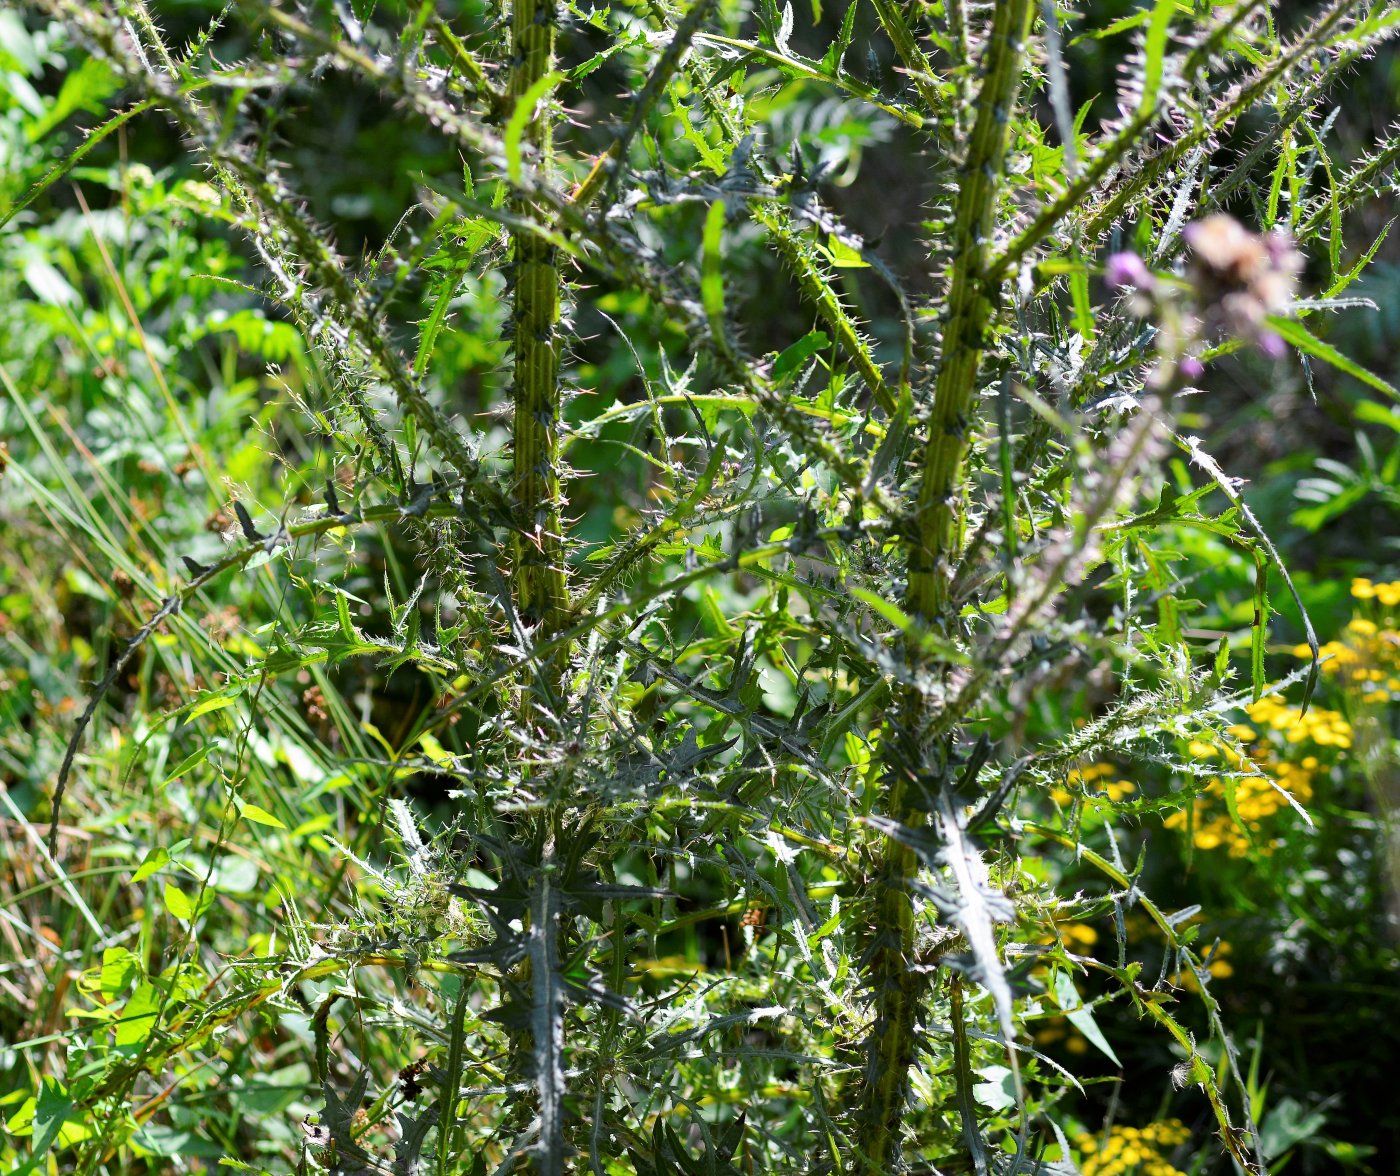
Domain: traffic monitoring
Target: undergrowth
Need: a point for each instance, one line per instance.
(531, 707)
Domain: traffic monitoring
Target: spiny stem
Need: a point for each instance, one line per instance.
(541, 590)
(898, 988)
(971, 310)
(915, 62)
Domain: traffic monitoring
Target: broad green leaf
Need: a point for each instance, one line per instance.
(178, 903)
(138, 1017)
(1080, 1015)
(259, 816)
(192, 760)
(843, 256)
(1377, 414)
(154, 861)
(998, 1091)
(85, 88)
(793, 357)
(43, 1118)
(210, 703)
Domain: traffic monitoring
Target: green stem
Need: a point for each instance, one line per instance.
(541, 590)
(898, 988)
(540, 583)
(971, 310)
(915, 62)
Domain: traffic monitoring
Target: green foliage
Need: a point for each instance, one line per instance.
(576, 656)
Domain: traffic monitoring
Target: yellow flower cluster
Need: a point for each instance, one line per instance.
(1133, 1151)
(1326, 728)
(1367, 657)
(1386, 594)
(1094, 778)
(1259, 797)
(1078, 937)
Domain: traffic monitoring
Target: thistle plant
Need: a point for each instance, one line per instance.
(755, 640)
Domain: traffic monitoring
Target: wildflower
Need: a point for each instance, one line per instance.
(1241, 278)
(1133, 1150)
(1078, 936)
(1267, 783)
(1127, 270)
(1092, 782)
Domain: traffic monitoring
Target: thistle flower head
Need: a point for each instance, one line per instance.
(1127, 270)
(1241, 278)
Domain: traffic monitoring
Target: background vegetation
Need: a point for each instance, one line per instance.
(654, 589)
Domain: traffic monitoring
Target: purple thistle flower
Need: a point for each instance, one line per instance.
(1123, 270)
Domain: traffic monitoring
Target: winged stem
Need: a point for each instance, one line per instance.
(540, 583)
(897, 987)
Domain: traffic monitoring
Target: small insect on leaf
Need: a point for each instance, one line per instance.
(318, 1136)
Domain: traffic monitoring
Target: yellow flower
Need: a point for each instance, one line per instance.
(1362, 589)
(1078, 935)
(1118, 789)
(1130, 1149)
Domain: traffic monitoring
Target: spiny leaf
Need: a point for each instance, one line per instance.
(1305, 341)
(245, 521)
(521, 116)
(549, 995)
(1259, 630)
